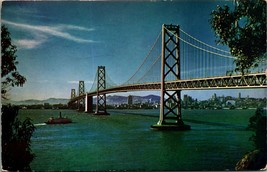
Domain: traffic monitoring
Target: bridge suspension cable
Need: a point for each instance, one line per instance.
(198, 47)
(203, 42)
(109, 82)
(94, 85)
(197, 60)
(152, 54)
(201, 60)
(154, 70)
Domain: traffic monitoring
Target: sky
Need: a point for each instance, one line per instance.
(59, 43)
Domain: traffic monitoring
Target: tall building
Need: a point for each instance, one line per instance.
(185, 100)
(130, 100)
(239, 95)
(214, 96)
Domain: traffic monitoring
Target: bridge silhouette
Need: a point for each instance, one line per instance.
(176, 62)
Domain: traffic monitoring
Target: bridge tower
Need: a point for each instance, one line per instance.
(72, 96)
(170, 108)
(101, 97)
(81, 102)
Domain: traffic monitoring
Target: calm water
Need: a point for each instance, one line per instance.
(124, 141)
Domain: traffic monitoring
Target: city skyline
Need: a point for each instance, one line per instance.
(57, 48)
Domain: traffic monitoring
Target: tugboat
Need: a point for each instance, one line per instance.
(60, 120)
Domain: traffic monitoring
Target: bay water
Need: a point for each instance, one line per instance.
(124, 141)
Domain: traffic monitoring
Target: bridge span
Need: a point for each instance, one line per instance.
(184, 63)
(257, 80)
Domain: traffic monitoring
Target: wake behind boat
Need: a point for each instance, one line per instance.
(40, 124)
(60, 120)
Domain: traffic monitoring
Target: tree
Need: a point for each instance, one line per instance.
(16, 140)
(243, 30)
(10, 76)
(257, 123)
(16, 135)
(257, 159)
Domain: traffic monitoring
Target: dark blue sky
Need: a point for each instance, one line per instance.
(60, 43)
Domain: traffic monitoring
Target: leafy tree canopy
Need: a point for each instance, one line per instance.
(10, 76)
(243, 30)
(16, 135)
(257, 123)
(16, 140)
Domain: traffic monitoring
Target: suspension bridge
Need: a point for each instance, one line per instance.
(176, 61)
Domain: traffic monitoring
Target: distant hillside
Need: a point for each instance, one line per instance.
(111, 100)
(35, 102)
(150, 98)
(115, 99)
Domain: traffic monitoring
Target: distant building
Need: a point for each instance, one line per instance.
(214, 97)
(230, 103)
(239, 95)
(221, 98)
(186, 100)
(130, 100)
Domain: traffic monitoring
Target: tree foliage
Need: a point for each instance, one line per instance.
(256, 159)
(257, 123)
(16, 135)
(10, 76)
(243, 30)
(16, 140)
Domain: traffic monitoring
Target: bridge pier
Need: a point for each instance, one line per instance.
(88, 104)
(170, 108)
(81, 102)
(72, 105)
(101, 105)
(101, 97)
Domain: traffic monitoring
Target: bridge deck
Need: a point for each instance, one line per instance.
(257, 80)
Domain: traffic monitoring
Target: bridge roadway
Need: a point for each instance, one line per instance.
(257, 80)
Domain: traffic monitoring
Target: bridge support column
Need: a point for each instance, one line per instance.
(72, 96)
(88, 104)
(101, 97)
(81, 102)
(170, 107)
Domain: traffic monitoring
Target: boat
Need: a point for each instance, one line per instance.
(59, 120)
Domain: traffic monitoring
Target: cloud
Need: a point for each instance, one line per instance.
(73, 82)
(77, 82)
(72, 27)
(57, 31)
(28, 44)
